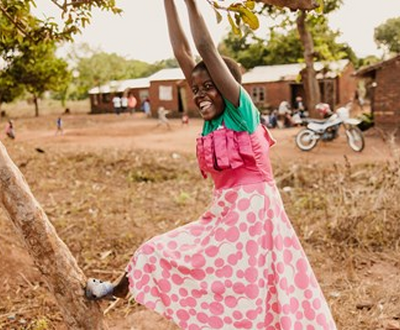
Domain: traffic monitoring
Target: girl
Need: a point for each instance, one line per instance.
(240, 266)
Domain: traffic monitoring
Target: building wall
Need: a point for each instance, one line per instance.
(387, 95)
(347, 84)
(170, 90)
(275, 93)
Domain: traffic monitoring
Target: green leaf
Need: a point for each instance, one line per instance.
(235, 28)
(249, 18)
(250, 4)
(218, 15)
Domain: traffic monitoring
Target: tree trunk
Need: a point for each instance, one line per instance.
(308, 74)
(51, 256)
(292, 4)
(36, 102)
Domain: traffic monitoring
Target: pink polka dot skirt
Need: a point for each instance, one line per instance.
(239, 266)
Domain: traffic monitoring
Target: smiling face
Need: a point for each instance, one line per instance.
(206, 96)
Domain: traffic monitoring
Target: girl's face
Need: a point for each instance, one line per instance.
(206, 96)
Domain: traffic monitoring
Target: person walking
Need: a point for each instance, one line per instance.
(10, 130)
(59, 124)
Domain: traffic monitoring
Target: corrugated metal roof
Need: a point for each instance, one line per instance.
(121, 85)
(367, 69)
(167, 74)
(287, 72)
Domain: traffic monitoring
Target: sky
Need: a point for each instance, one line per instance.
(140, 32)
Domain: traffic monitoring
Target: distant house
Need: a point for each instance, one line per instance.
(166, 88)
(381, 81)
(269, 85)
(100, 97)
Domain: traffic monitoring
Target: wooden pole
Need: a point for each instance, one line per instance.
(52, 257)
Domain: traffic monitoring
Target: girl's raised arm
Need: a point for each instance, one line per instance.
(219, 72)
(179, 42)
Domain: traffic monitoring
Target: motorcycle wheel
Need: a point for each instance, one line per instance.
(355, 139)
(306, 139)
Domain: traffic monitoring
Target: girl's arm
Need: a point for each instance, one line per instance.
(179, 42)
(219, 72)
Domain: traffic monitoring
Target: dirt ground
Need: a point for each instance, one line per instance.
(88, 133)
(363, 291)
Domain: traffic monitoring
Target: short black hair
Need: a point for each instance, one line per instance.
(232, 65)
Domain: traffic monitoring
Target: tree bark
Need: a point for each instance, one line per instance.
(292, 4)
(35, 101)
(308, 74)
(51, 256)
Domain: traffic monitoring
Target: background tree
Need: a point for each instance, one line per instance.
(93, 68)
(387, 35)
(39, 70)
(10, 88)
(284, 47)
(305, 21)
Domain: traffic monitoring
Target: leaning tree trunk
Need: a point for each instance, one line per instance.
(308, 74)
(51, 256)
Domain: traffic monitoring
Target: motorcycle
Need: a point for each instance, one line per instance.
(328, 130)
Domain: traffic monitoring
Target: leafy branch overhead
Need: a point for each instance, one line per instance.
(76, 14)
(243, 12)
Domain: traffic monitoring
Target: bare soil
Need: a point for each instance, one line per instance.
(152, 176)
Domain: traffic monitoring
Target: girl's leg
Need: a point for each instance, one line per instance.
(121, 289)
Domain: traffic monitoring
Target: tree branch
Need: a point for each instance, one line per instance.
(292, 4)
(14, 21)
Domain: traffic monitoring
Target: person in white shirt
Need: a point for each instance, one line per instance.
(117, 104)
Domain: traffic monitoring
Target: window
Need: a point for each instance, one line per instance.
(258, 94)
(165, 93)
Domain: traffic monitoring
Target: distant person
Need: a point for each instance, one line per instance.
(117, 104)
(162, 117)
(132, 102)
(10, 131)
(124, 103)
(299, 106)
(59, 125)
(146, 107)
(185, 119)
(273, 119)
(67, 111)
(264, 119)
(284, 115)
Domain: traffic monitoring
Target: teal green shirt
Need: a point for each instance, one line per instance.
(246, 117)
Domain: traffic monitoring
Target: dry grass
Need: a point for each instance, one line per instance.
(26, 108)
(104, 205)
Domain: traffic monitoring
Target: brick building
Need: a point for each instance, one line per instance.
(381, 81)
(267, 85)
(101, 97)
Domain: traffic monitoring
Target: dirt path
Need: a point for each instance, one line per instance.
(88, 133)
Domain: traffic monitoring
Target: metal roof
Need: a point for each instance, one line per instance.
(121, 85)
(259, 74)
(367, 69)
(167, 74)
(289, 72)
